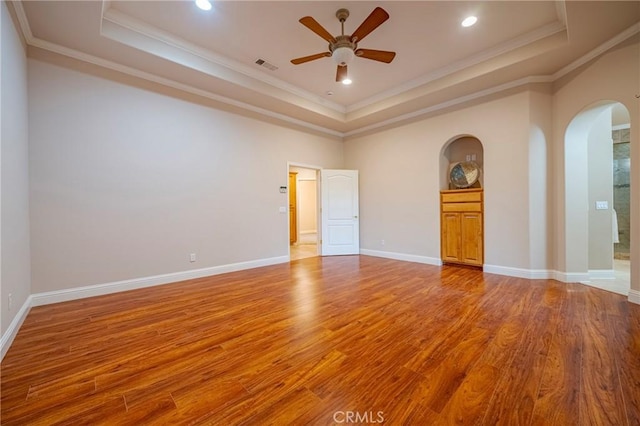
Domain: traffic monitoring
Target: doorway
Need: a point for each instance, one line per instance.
(594, 208)
(303, 212)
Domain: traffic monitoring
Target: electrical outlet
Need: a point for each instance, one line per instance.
(381, 242)
(192, 257)
(10, 302)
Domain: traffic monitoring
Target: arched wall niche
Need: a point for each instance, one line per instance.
(458, 149)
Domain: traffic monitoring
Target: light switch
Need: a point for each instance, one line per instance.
(283, 209)
(602, 205)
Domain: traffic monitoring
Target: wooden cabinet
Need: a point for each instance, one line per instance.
(461, 221)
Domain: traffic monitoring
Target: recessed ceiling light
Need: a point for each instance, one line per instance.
(347, 81)
(203, 4)
(469, 21)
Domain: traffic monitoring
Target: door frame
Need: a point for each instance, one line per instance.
(318, 204)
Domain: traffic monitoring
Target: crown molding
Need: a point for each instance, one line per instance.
(23, 21)
(629, 32)
(129, 23)
(219, 65)
(561, 11)
(453, 102)
(81, 56)
(104, 63)
(511, 45)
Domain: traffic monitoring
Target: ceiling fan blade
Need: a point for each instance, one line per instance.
(304, 59)
(341, 73)
(373, 21)
(376, 55)
(314, 26)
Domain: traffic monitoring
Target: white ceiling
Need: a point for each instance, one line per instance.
(438, 62)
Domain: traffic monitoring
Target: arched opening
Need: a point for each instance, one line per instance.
(459, 149)
(591, 221)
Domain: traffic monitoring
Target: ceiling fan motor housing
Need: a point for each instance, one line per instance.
(343, 50)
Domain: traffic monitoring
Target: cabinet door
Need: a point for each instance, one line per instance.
(471, 224)
(451, 237)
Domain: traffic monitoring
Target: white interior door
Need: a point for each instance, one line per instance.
(340, 222)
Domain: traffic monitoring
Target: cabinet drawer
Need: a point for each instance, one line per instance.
(461, 197)
(461, 207)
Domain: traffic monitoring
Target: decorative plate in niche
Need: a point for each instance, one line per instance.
(464, 174)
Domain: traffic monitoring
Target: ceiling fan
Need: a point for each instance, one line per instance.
(344, 48)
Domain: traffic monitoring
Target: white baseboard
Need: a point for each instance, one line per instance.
(570, 277)
(402, 256)
(634, 296)
(57, 296)
(7, 338)
(602, 274)
(46, 298)
(530, 274)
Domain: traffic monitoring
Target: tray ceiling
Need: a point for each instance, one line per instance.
(438, 63)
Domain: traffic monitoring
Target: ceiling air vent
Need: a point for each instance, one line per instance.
(266, 64)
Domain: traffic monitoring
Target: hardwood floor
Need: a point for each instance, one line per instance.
(302, 251)
(334, 340)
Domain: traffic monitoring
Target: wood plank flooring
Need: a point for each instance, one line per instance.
(334, 340)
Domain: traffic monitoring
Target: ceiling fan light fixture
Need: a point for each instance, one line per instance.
(346, 81)
(204, 4)
(343, 56)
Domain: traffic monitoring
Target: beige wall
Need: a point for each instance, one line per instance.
(611, 77)
(14, 224)
(126, 183)
(539, 184)
(400, 181)
(600, 158)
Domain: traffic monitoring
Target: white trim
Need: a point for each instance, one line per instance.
(515, 43)
(402, 256)
(613, 287)
(39, 299)
(7, 338)
(530, 274)
(57, 296)
(561, 11)
(81, 56)
(452, 102)
(634, 296)
(151, 33)
(114, 66)
(612, 42)
(570, 277)
(621, 126)
(23, 21)
(602, 274)
(548, 30)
